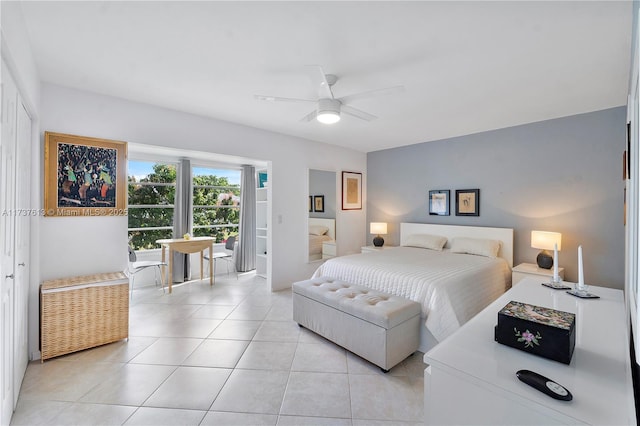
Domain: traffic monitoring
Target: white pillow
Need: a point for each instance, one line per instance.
(478, 246)
(318, 229)
(432, 242)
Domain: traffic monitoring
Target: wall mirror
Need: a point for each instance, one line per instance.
(322, 215)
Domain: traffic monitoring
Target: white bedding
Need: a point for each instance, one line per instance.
(451, 287)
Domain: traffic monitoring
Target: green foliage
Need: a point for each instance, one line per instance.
(151, 217)
(210, 194)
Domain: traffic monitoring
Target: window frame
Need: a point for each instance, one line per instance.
(214, 166)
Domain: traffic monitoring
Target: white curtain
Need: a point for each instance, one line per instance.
(246, 256)
(182, 219)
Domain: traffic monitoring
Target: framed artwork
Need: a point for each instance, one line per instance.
(351, 191)
(318, 203)
(439, 202)
(310, 203)
(467, 202)
(84, 176)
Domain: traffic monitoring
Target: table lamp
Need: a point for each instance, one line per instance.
(378, 228)
(545, 241)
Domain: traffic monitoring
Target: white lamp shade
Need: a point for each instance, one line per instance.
(546, 240)
(328, 117)
(328, 111)
(378, 228)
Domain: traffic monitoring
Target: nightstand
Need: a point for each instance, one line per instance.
(371, 249)
(329, 249)
(532, 270)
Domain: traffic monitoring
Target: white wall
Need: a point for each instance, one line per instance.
(16, 51)
(81, 245)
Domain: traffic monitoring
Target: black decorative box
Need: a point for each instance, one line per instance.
(541, 331)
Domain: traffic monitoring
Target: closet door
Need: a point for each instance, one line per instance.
(7, 272)
(22, 245)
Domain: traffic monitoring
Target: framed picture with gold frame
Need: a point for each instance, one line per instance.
(351, 191)
(84, 176)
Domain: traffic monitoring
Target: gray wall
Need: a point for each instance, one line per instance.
(323, 183)
(562, 175)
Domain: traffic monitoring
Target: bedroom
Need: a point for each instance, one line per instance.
(391, 192)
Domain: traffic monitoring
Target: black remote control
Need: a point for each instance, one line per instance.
(545, 385)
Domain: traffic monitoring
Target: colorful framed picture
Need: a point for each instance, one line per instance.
(84, 176)
(467, 202)
(439, 202)
(318, 203)
(351, 191)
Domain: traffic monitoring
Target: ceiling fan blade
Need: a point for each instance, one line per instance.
(320, 77)
(372, 93)
(279, 99)
(357, 113)
(310, 117)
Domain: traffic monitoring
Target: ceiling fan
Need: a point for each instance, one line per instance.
(328, 107)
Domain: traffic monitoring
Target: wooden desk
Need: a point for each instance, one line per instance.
(192, 245)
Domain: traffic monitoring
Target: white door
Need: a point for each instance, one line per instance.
(23, 220)
(7, 207)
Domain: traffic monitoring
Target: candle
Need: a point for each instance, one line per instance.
(580, 271)
(556, 279)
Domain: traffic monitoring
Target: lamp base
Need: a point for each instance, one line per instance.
(545, 260)
(378, 241)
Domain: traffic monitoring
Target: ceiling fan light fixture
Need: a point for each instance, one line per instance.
(328, 117)
(328, 111)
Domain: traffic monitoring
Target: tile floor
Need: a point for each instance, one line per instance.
(223, 355)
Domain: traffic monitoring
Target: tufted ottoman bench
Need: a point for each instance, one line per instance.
(379, 327)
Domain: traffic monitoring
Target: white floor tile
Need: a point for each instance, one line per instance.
(213, 311)
(146, 416)
(320, 357)
(62, 380)
(228, 354)
(236, 330)
(100, 414)
(268, 356)
(382, 397)
(252, 391)
(278, 331)
(192, 388)
(312, 421)
(317, 394)
(218, 418)
(36, 413)
(217, 353)
(130, 385)
(168, 351)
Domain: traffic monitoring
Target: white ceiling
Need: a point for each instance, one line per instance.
(466, 66)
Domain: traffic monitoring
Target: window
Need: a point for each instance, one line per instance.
(152, 188)
(216, 202)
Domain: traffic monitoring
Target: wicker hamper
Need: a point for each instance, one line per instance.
(83, 312)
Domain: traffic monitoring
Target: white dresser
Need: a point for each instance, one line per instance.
(471, 379)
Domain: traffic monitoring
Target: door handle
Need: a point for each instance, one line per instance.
(9, 276)
(21, 264)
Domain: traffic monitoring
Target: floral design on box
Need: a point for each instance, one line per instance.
(528, 338)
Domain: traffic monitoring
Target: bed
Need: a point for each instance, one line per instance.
(451, 286)
(320, 231)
